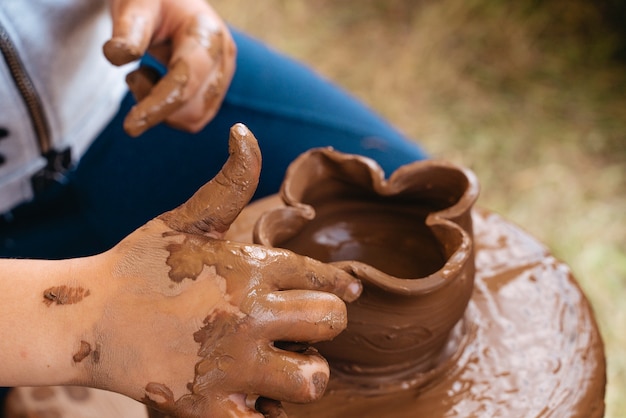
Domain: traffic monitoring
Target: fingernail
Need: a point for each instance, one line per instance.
(119, 51)
(353, 290)
(319, 382)
(240, 129)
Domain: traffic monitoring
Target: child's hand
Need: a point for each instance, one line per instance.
(191, 321)
(192, 41)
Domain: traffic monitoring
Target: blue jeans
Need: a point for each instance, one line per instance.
(122, 182)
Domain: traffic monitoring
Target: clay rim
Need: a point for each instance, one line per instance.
(310, 170)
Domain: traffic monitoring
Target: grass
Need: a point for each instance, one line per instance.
(524, 93)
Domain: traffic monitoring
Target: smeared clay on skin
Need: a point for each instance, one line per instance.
(120, 52)
(95, 355)
(214, 90)
(318, 380)
(223, 344)
(211, 37)
(506, 356)
(122, 49)
(141, 81)
(250, 292)
(186, 260)
(222, 199)
(64, 295)
(83, 351)
(166, 97)
(162, 97)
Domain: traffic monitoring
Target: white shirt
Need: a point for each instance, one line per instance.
(59, 45)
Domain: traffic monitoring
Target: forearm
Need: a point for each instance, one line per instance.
(48, 310)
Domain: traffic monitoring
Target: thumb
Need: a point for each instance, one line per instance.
(212, 209)
(133, 25)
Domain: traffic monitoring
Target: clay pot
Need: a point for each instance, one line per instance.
(408, 238)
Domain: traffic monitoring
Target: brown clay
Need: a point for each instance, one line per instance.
(215, 206)
(141, 81)
(521, 342)
(84, 351)
(407, 238)
(64, 295)
(161, 97)
(165, 98)
(244, 298)
(496, 325)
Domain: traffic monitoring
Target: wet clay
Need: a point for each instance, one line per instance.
(120, 52)
(166, 97)
(514, 334)
(408, 238)
(64, 295)
(84, 351)
(187, 260)
(257, 296)
(524, 343)
(527, 345)
(212, 38)
(214, 207)
(160, 97)
(141, 81)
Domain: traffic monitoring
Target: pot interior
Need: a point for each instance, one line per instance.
(390, 237)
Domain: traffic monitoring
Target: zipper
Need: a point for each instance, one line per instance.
(27, 90)
(57, 162)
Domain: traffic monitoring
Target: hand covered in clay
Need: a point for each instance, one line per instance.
(192, 41)
(191, 321)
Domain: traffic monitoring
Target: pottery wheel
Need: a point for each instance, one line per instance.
(531, 346)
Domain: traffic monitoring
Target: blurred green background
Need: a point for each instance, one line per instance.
(529, 94)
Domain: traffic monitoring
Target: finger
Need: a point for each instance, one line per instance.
(212, 209)
(190, 93)
(301, 272)
(290, 377)
(133, 26)
(300, 315)
(210, 47)
(201, 68)
(141, 81)
(167, 96)
(270, 408)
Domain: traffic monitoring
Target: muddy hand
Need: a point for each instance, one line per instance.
(192, 41)
(196, 323)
